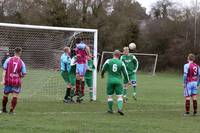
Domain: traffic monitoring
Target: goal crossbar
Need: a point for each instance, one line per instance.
(47, 27)
(143, 54)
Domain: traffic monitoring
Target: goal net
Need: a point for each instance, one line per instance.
(147, 62)
(42, 47)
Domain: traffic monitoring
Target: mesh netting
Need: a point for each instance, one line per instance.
(41, 53)
(147, 62)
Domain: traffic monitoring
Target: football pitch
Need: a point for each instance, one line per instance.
(40, 109)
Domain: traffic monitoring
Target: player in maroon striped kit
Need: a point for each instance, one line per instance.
(14, 70)
(82, 53)
(191, 83)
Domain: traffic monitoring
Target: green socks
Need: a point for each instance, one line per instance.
(119, 104)
(110, 104)
(91, 93)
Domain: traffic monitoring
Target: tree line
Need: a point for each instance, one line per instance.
(168, 30)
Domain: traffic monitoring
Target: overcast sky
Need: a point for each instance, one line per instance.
(148, 3)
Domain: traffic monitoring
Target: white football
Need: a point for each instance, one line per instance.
(132, 46)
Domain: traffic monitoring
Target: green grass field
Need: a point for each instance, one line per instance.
(158, 109)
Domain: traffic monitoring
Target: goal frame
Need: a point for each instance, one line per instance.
(141, 54)
(95, 51)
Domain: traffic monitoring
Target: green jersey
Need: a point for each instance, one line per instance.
(131, 63)
(89, 72)
(115, 69)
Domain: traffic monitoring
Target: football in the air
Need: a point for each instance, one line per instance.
(132, 46)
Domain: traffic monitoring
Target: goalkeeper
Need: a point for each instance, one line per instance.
(131, 63)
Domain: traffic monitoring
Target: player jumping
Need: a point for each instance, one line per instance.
(191, 78)
(115, 69)
(131, 63)
(82, 53)
(14, 70)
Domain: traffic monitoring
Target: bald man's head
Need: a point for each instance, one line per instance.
(117, 54)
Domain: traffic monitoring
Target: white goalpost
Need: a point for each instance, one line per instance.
(152, 61)
(42, 47)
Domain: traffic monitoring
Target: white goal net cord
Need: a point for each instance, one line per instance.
(147, 62)
(42, 47)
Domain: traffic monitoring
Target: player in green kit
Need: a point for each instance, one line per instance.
(115, 68)
(131, 63)
(89, 76)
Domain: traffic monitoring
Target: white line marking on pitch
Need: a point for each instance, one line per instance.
(101, 112)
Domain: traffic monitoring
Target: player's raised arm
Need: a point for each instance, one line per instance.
(135, 61)
(88, 51)
(125, 73)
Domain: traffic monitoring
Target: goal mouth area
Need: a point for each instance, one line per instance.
(42, 47)
(145, 65)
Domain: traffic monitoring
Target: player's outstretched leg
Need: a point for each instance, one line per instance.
(110, 104)
(125, 95)
(120, 104)
(125, 89)
(133, 83)
(134, 93)
(4, 103)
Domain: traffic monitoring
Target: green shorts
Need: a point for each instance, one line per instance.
(114, 88)
(89, 82)
(73, 79)
(132, 78)
(66, 76)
